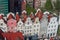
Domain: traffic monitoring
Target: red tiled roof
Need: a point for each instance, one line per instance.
(1, 16)
(32, 16)
(39, 14)
(49, 16)
(25, 17)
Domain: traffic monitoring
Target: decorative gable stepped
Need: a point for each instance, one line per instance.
(38, 23)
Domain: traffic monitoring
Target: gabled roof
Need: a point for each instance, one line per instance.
(10, 15)
(24, 18)
(20, 22)
(24, 12)
(32, 15)
(39, 14)
(1, 16)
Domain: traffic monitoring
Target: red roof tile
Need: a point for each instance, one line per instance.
(17, 17)
(10, 16)
(39, 14)
(49, 16)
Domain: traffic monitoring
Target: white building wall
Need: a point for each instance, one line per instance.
(28, 27)
(20, 26)
(44, 24)
(36, 27)
(3, 26)
(52, 27)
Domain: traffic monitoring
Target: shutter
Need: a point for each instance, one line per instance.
(4, 6)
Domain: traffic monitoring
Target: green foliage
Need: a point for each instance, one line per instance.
(58, 30)
(57, 5)
(48, 5)
(30, 9)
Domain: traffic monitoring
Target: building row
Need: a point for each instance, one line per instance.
(40, 23)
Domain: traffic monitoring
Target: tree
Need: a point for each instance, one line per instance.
(58, 32)
(48, 5)
(57, 5)
(30, 9)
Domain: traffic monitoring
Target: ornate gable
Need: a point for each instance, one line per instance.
(20, 23)
(3, 26)
(28, 21)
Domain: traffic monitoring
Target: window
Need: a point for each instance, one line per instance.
(48, 30)
(51, 30)
(37, 25)
(37, 29)
(34, 29)
(51, 22)
(36, 22)
(30, 30)
(51, 34)
(22, 31)
(19, 23)
(34, 25)
(52, 26)
(37, 32)
(53, 19)
(55, 25)
(54, 29)
(54, 22)
(28, 23)
(27, 27)
(49, 26)
(1, 24)
(30, 33)
(48, 35)
(34, 33)
(30, 27)
(27, 30)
